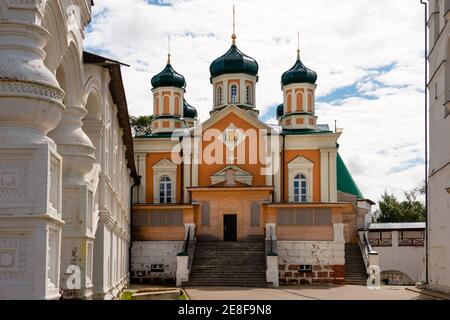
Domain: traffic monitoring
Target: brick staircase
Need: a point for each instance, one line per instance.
(237, 264)
(355, 269)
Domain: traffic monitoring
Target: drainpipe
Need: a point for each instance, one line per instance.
(137, 182)
(426, 140)
(283, 156)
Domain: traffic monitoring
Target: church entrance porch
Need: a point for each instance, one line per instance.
(230, 214)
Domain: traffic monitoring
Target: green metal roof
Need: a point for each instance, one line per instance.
(168, 78)
(234, 61)
(345, 182)
(189, 111)
(299, 74)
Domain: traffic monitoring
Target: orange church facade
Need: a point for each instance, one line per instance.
(234, 178)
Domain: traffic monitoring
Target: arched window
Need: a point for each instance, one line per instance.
(165, 190)
(248, 95)
(300, 189)
(219, 97)
(233, 93)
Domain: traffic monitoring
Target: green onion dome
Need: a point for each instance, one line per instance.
(189, 111)
(234, 61)
(299, 74)
(168, 78)
(280, 110)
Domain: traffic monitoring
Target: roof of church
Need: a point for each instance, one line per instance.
(189, 111)
(320, 129)
(168, 78)
(280, 110)
(234, 61)
(299, 73)
(345, 181)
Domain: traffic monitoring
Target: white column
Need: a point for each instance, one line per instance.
(272, 271)
(333, 176)
(305, 100)
(30, 166)
(324, 176)
(225, 92)
(242, 91)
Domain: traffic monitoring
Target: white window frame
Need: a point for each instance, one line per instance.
(248, 94)
(164, 168)
(219, 95)
(164, 183)
(234, 98)
(303, 167)
(301, 192)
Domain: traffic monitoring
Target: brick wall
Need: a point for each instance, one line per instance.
(326, 258)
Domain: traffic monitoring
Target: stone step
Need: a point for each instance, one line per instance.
(240, 264)
(226, 284)
(215, 276)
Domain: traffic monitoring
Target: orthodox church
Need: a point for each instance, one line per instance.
(236, 201)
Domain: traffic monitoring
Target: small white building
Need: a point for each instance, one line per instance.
(401, 251)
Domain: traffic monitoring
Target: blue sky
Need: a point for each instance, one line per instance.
(368, 56)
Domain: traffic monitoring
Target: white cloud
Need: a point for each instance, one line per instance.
(346, 42)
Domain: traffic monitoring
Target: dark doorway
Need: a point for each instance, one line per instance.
(230, 227)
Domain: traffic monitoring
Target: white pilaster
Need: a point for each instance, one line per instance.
(324, 176)
(30, 166)
(333, 176)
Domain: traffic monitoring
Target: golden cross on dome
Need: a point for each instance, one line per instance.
(233, 36)
(168, 51)
(298, 45)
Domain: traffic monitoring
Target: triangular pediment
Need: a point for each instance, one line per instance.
(240, 175)
(240, 113)
(165, 164)
(300, 162)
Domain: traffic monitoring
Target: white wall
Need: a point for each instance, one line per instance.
(409, 260)
(439, 90)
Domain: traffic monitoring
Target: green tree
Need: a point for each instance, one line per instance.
(392, 210)
(141, 124)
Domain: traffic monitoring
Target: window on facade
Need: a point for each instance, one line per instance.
(248, 95)
(411, 238)
(233, 93)
(380, 239)
(219, 96)
(305, 268)
(165, 190)
(300, 189)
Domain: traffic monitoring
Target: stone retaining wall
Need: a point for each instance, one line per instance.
(144, 254)
(327, 259)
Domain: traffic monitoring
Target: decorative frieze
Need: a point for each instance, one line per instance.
(29, 90)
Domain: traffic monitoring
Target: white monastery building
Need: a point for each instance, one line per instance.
(66, 157)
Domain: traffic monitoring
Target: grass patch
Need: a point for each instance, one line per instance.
(126, 295)
(183, 297)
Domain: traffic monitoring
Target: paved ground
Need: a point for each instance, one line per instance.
(306, 293)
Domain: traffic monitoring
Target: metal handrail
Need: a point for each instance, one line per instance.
(271, 247)
(366, 248)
